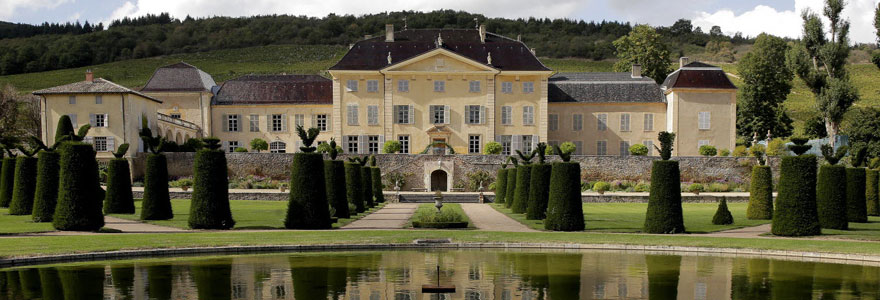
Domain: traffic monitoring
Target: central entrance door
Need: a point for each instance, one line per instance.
(438, 181)
(439, 147)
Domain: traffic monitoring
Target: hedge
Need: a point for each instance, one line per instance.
(761, 194)
(24, 186)
(795, 213)
(160, 280)
(30, 283)
(118, 199)
(564, 209)
(856, 205)
(511, 188)
(7, 181)
(353, 186)
(539, 191)
(46, 195)
(722, 215)
(872, 192)
(367, 186)
(664, 213)
(82, 282)
(213, 280)
(209, 208)
(308, 207)
(831, 197)
(78, 206)
(51, 284)
(157, 202)
(334, 181)
(376, 180)
(521, 194)
(500, 185)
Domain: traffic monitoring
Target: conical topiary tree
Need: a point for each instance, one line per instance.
(523, 183)
(664, 213)
(831, 191)
(46, 195)
(118, 199)
(564, 206)
(872, 187)
(722, 215)
(64, 129)
(157, 202)
(376, 180)
(367, 183)
(78, 207)
(308, 207)
(760, 192)
(856, 204)
(353, 184)
(209, 208)
(25, 182)
(334, 180)
(7, 178)
(539, 186)
(511, 183)
(796, 213)
(501, 183)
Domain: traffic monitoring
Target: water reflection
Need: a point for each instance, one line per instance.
(487, 274)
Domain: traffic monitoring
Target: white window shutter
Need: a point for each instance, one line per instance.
(362, 143)
(396, 112)
(299, 144)
(268, 123)
(92, 120)
(534, 142)
(106, 120)
(515, 143)
(482, 114)
(381, 143)
(89, 140)
(314, 121)
(498, 138)
(73, 120)
(446, 114)
(284, 119)
(225, 124)
(239, 123)
(412, 114)
(111, 144)
(225, 146)
(329, 119)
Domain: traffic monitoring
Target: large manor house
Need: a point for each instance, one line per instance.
(426, 88)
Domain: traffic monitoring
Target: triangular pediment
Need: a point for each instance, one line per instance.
(439, 60)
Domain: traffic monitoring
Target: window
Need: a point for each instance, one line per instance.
(71, 100)
(175, 116)
(372, 115)
(372, 144)
(351, 144)
(232, 123)
(232, 145)
(403, 85)
(439, 86)
(404, 143)
(528, 115)
(277, 147)
(98, 120)
(603, 122)
(577, 122)
(351, 85)
(72, 119)
(372, 86)
(553, 122)
(99, 99)
(506, 115)
(100, 143)
(528, 87)
(277, 123)
(527, 143)
(506, 147)
(705, 120)
(474, 86)
(438, 114)
(474, 144)
(578, 148)
(299, 120)
(702, 143)
(474, 114)
(649, 122)
(624, 122)
(650, 145)
(601, 147)
(403, 114)
(507, 87)
(322, 122)
(624, 148)
(352, 114)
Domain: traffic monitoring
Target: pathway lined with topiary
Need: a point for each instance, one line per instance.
(486, 218)
(392, 216)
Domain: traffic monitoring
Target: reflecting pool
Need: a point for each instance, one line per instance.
(476, 274)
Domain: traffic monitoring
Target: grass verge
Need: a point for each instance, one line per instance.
(20, 224)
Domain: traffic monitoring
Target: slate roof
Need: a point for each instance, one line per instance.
(96, 86)
(603, 87)
(179, 77)
(275, 89)
(698, 75)
(507, 54)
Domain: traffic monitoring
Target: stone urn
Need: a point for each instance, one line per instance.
(184, 188)
(601, 192)
(283, 188)
(438, 201)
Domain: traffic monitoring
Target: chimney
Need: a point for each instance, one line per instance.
(519, 37)
(368, 36)
(636, 71)
(90, 77)
(533, 51)
(482, 33)
(683, 61)
(389, 32)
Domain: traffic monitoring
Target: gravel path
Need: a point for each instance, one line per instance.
(392, 216)
(746, 232)
(486, 218)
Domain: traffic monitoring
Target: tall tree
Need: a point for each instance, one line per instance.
(767, 84)
(876, 58)
(643, 45)
(819, 59)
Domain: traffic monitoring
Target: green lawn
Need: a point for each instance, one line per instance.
(248, 214)
(20, 224)
(630, 217)
(430, 208)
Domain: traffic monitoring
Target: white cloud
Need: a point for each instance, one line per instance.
(8, 8)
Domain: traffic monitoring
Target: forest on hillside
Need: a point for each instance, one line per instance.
(35, 48)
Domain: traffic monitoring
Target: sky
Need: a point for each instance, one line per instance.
(751, 17)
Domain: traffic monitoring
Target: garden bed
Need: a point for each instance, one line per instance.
(450, 217)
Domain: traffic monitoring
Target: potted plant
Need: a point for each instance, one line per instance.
(601, 186)
(695, 188)
(283, 187)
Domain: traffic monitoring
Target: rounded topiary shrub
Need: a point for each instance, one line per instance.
(376, 180)
(367, 186)
(157, 203)
(664, 213)
(795, 213)
(539, 191)
(209, 208)
(308, 207)
(118, 198)
(500, 185)
(78, 207)
(521, 194)
(511, 188)
(334, 181)
(856, 205)
(24, 185)
(564, 206)
(831, 197)
(761, 194)
(872, 192)
(46, 194)
(353, 186)
(722, 215)
(7, 181)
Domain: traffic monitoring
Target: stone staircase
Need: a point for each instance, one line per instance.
(410, 197)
